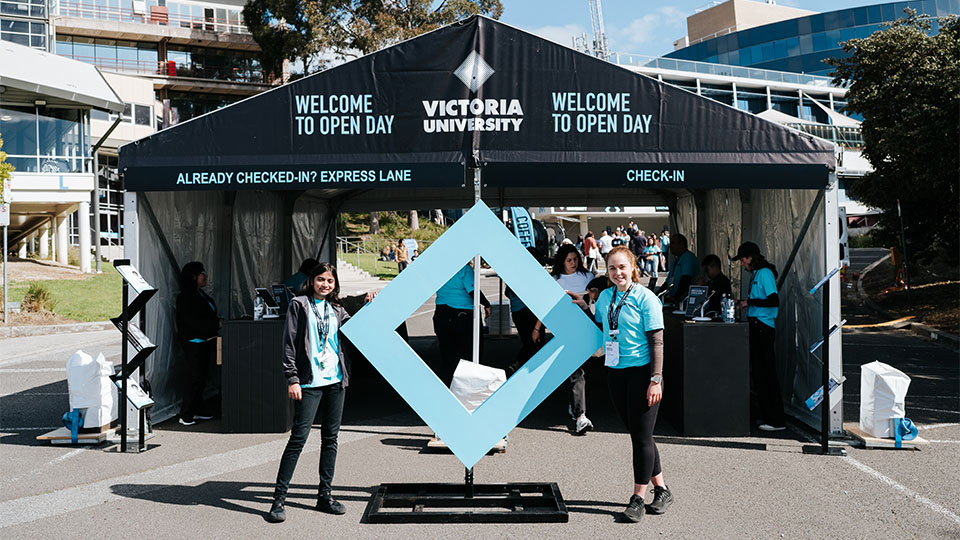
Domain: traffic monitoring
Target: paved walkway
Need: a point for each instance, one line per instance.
(198, 482)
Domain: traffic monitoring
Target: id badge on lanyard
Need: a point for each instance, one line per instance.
(611, 350)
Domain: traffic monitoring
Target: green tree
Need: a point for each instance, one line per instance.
(5, 170)
(905, 83)
(320, 31)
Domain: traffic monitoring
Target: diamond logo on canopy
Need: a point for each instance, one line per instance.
(470, 435)
(474, 71)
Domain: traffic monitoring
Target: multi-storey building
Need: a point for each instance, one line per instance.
(763, 35)
(168, 60)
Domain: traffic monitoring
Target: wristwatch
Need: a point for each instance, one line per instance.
(656, 379)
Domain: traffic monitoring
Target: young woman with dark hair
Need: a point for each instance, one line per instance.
(197, 324)
(631, 317)
(570, 274)
(762, 304)
(317, 372)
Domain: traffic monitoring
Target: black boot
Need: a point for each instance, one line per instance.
(277, 513)
(327, 504)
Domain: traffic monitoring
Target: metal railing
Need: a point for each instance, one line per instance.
(157, 17)
(848, 137)
(170, 68)
(351, 248)
(707, 68)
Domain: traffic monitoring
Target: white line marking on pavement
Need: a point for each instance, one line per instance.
(935, 426)
(36, 370)
(937, 441)
(52, 504)
(902, 489)
(66, 456)
(41, 428)
(922, 409)
(34, 394)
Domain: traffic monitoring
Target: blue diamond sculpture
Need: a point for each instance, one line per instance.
(471, 435)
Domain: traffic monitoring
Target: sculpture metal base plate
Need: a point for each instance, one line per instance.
(449, 503)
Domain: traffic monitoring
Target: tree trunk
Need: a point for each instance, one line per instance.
(413, 221)
(374, 223)
(438, 216)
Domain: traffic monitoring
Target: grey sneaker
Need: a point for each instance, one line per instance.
(583, 425)
(634, 511)
(329, 505)
(768, 427)
(187, 422)
(662, 498)
(277, 513)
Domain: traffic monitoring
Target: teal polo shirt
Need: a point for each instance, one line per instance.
(763, 285)
(684, 265)
(641, 313)
(457, 292)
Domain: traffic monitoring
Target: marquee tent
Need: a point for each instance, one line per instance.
(255, 187)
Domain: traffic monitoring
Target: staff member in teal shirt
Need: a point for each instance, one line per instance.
(631, 317)
(684, 268)
(761, 305)
(453, 321)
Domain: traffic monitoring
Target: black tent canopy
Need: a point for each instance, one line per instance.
(477, 93)
(253, 188)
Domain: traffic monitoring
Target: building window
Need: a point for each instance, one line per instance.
(45, 139)
(26, 33)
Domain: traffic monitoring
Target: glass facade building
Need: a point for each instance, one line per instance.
(45, 139)
(800, 45)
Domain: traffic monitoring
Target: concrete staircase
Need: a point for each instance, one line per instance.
(349, 272)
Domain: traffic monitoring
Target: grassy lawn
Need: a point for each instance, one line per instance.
(383, 269)
(96, 298)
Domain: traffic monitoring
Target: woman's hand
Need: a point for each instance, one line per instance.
(654, 393)
(577, 299)
(293, 391)
(370, 296)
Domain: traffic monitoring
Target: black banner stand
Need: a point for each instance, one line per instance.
(132, 336)
(824, 448)
(521, 502)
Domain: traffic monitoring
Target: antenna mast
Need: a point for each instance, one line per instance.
(599, 36)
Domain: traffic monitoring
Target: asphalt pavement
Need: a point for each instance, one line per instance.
(200, 482)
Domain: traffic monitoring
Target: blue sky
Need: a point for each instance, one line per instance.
(632, 26)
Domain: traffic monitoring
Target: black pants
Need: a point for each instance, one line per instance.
(329, 400)
(628, 391)
(401, 265)
(763, 373)
(525, 320)
(454, 330)
(577, 385)
(196, 367)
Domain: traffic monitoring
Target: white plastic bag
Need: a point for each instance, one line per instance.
(883, 392)
(90, 387)
(474, 383)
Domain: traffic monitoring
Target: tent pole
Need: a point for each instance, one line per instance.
(476, 279)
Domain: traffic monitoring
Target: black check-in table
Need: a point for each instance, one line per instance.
(706, 377)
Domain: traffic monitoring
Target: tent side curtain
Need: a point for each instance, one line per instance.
(477, 93)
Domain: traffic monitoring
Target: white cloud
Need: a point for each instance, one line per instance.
(649, 28)
(560, 34)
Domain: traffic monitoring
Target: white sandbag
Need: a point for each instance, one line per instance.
(474, 383)
(883, 392)
(90, 387)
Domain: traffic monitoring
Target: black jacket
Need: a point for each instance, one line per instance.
(296, 343)
(196, 315)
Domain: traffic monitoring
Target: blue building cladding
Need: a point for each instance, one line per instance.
(800, 45)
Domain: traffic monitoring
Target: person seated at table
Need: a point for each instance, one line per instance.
(717, 283)
(296, 280)
(684, 268)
